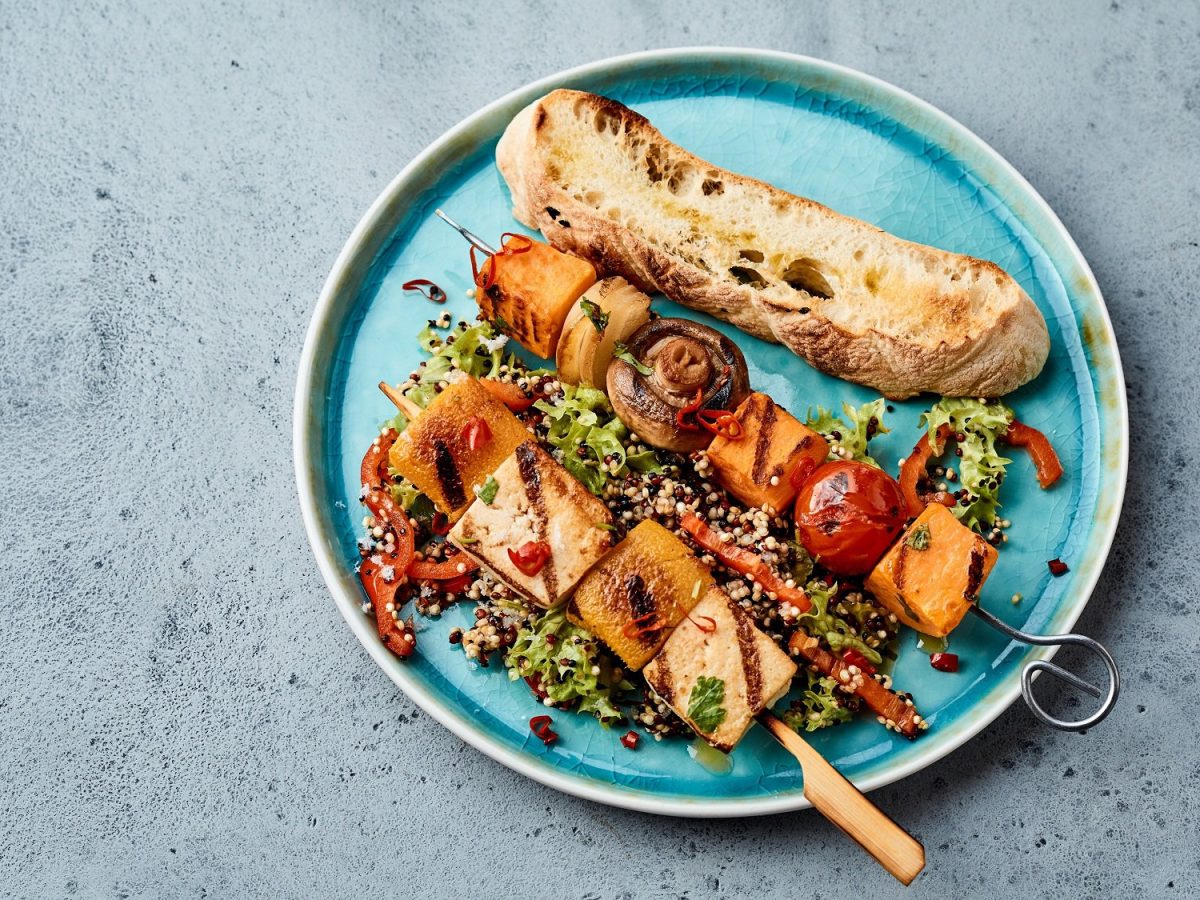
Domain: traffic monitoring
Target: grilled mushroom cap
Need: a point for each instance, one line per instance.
(683, 356)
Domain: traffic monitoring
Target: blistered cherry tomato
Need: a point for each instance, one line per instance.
(848, 514)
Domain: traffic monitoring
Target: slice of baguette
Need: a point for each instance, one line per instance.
(600, 181)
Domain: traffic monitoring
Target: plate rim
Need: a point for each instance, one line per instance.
(533, 767)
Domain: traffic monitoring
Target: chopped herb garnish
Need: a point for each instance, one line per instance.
(705, 707)
(487, 493)
(621, 352)
(919, 539)
(467, 540)
(604, 526)
(595, 314)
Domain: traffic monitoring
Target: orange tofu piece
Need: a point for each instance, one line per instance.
(771, 445)
(534, 292)
(651, 578)
(933, 573)
(432, 452)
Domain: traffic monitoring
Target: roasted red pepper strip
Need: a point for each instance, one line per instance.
(397, 637)
(913, 471)
(879, 699)
(378, 499)
(530, 557)
(424, 570)
(854, 658)
(508, 393)
(742, 560)
(1038, 446)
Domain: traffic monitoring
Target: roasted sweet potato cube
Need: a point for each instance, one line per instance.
(536, 502)
(718, 670)
(639, 592)
(433, 452)
(757, 466)
(933, 573)
(533, 293)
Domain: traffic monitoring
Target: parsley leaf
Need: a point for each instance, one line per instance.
(919, 539)
(621, 352)
(597, 316)
(704, 704)
(487, 493)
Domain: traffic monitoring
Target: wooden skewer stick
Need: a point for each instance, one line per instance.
(406, 406)
(848, 808)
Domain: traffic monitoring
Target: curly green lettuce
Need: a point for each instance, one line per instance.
(475, 349)
(582, 419)
(821, 705)
(833, 630)
(981, 468)
(569, 665)
(853, 433)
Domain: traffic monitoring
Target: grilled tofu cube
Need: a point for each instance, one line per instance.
(533, 293)
(757, 466)
(933, 573)
(433, 452)
(536, 502)
(641, 590)
(718, 671)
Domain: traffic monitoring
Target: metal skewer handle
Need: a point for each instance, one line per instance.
(1031, 669)
(474, 239)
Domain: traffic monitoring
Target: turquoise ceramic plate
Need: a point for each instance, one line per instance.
(860, 146)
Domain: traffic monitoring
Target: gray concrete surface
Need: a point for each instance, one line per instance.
(182, 711)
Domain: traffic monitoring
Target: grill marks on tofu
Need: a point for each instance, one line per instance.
(536, 500)
(753, 670)
(527, 465)
(639, 592)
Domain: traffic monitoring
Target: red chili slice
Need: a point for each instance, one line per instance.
(682, 416)
(707, 624)
(531, 557)
(477, 433)
(540, 725)
(510, 244)
(944, 662)
(854, 658)
(721, 422)
(1041, 451)
(914, 469)
(646, 624)
(440, 524)
(426, 289)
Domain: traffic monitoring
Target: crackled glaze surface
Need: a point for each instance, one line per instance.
(865, 150)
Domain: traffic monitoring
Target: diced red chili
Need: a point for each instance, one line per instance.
(531, 557)
(944, 662)
(476, 433)
(630, 739)
(1058, 567)
(540, 725)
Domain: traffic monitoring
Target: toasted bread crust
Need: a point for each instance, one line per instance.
(599, 180)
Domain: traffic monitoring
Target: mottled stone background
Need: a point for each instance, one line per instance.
(183, 711)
